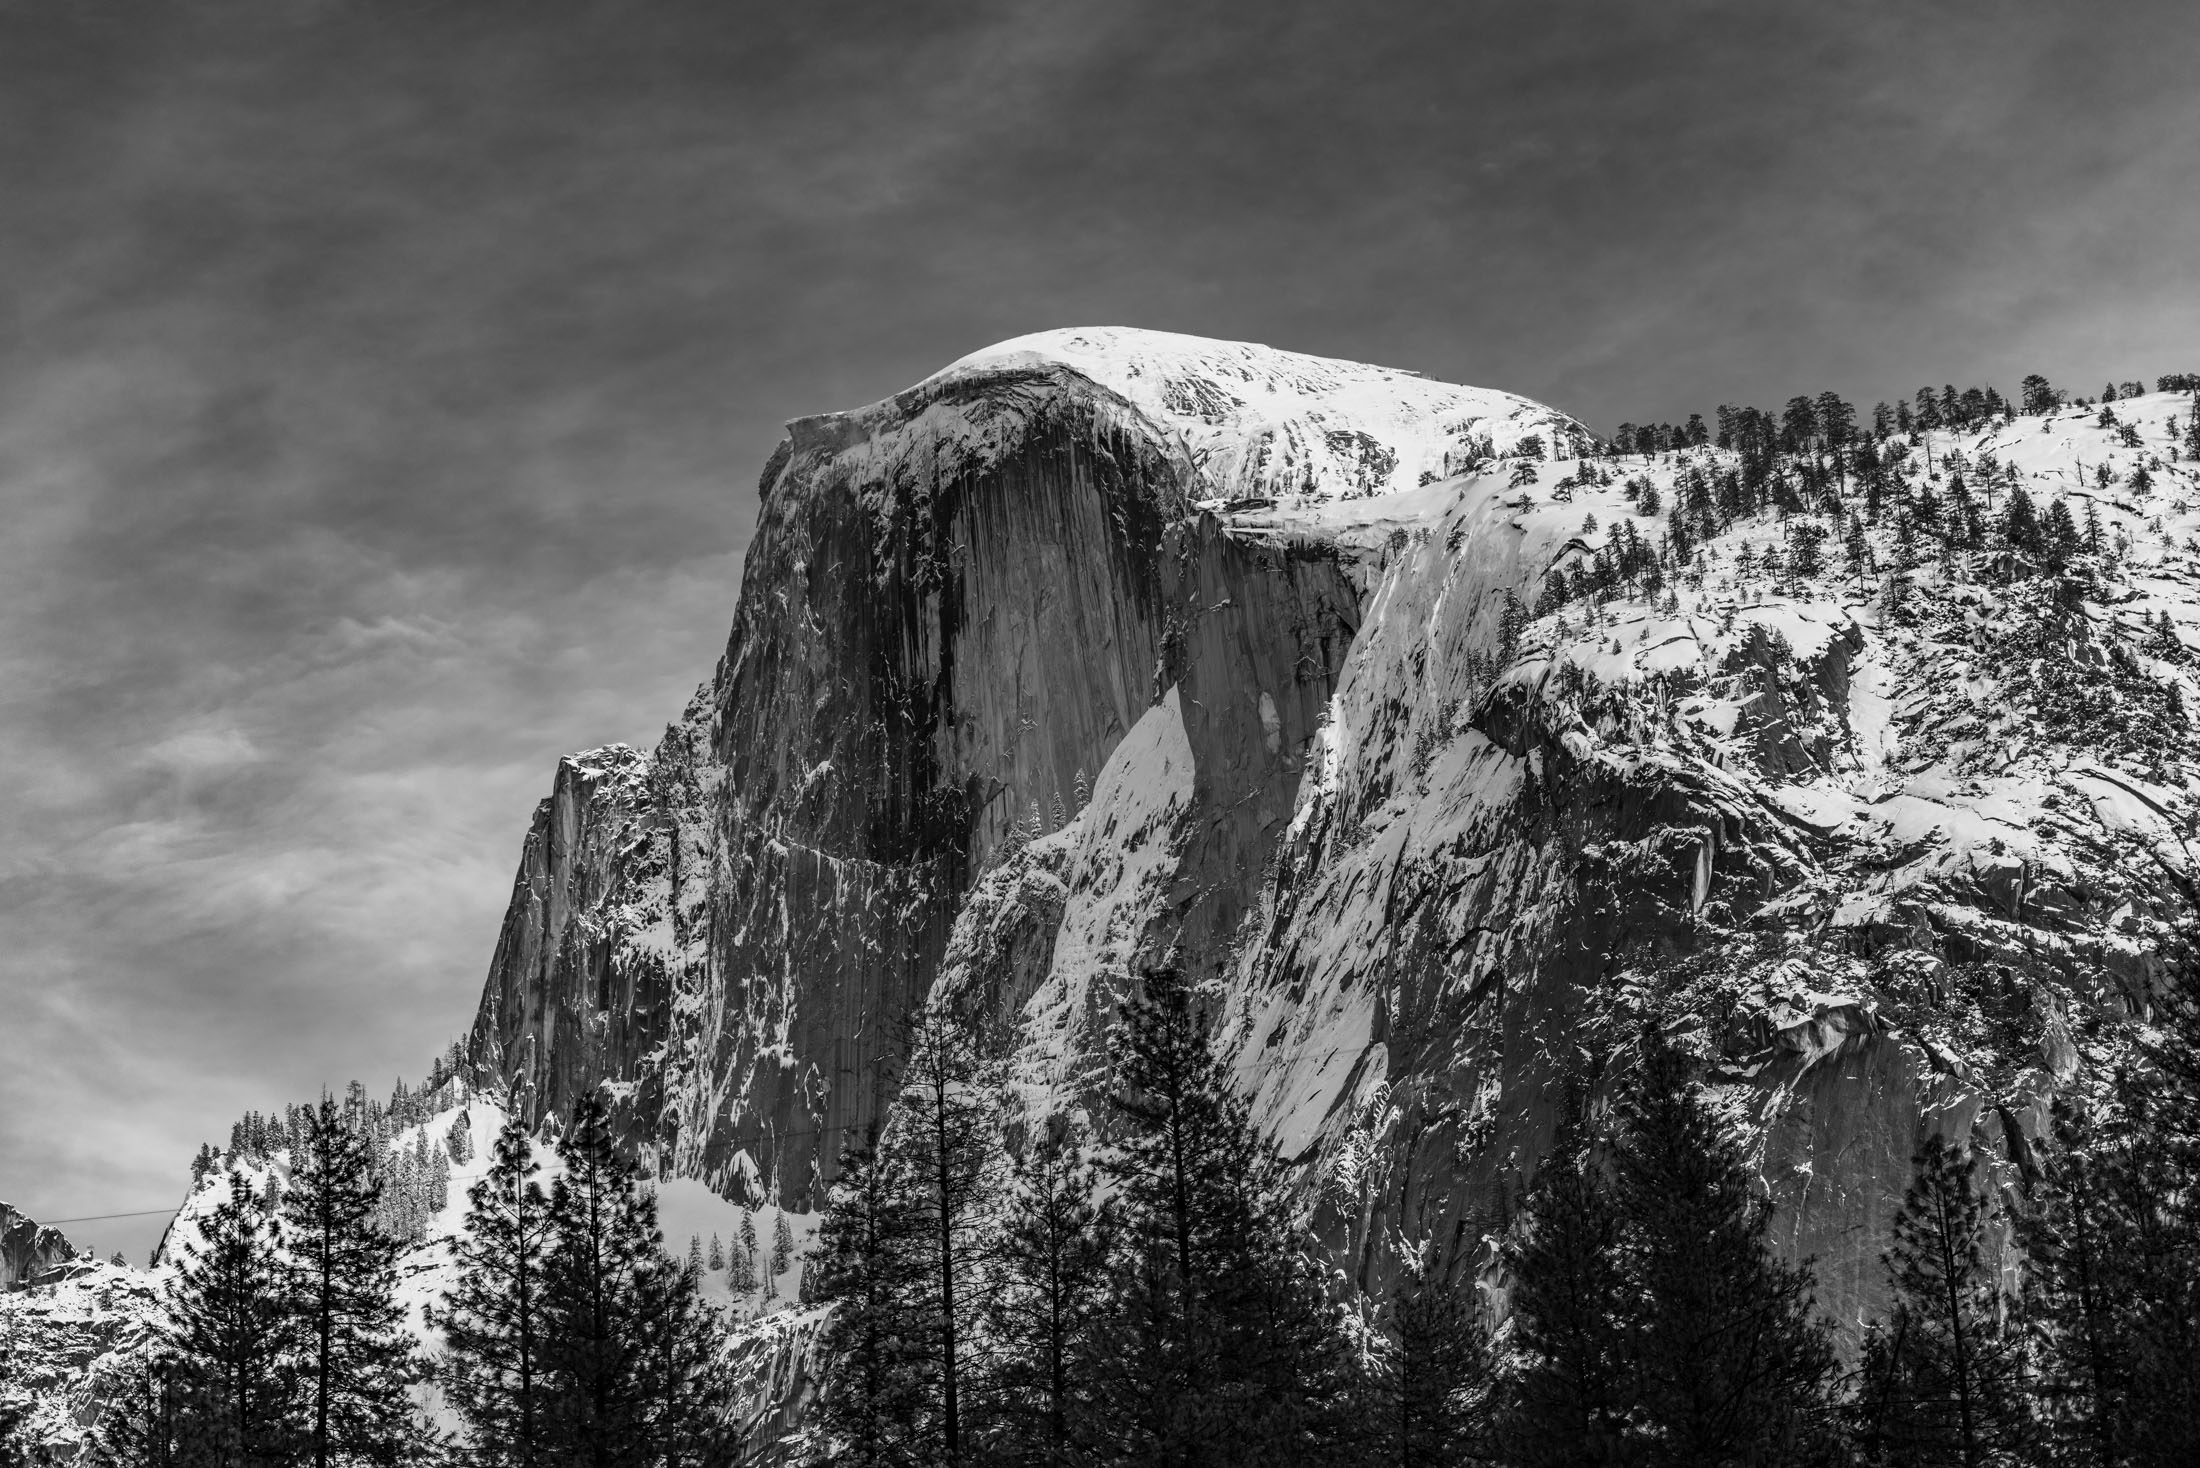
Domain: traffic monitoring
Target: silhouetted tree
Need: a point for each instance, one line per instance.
(628, 1340)
(493, 1316)
(1727, 1361)
(1570, 1392)
(233, 1340)
(357, 1359)
(870, 1266)
(1434, 1384)
(1048, 1263)
(1942, 1377)
(1217, 1345)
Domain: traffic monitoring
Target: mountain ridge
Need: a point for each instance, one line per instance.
(1702, 788)
(1807, 745)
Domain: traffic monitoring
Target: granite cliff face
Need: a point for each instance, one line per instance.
(1106, 646)
(958, 604)
(28, 1249)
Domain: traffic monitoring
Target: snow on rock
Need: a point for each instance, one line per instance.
(27, 1249)
(1259, 423)
(72, 1335)
(1104, 648)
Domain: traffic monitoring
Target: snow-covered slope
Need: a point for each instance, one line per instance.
(1861, 845)
(1103, 648)
(1444, 754)
(68, 1343)
(1109, 645)
(1266, 424)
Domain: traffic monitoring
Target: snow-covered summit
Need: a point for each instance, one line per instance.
(1260, 423)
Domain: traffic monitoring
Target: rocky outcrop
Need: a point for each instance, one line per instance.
(70, 1343)
(1102, 648)
(957, 605)
(29, 1251)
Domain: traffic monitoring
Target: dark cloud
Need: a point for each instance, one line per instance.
(383, 384)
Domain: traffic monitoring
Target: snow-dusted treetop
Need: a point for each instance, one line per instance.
(1263, 423)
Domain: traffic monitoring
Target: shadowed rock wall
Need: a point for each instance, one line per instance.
(937, 648)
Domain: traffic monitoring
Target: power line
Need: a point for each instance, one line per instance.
(149, 1212)
(100, 1217)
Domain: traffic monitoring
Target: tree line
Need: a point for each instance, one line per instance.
(569, 1336)
(415, 1180)
(1154, 1299)
(1828, 482)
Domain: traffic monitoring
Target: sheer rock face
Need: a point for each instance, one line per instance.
(957, 605)
(27, 1249)
(1106, 647)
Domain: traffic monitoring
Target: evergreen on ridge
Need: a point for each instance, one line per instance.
(628, 1340)
(222, 1385)
(572, 1337)
(1048, 1259)
(1568, 1394)
(1217, 1343)
(492, 1319)
(868, 1267)
(1729, 1362)
(357, 1359)
(1433, 1391)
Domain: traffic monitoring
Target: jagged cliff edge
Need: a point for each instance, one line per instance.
(1102, 646)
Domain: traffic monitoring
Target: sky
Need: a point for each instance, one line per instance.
(384, 383)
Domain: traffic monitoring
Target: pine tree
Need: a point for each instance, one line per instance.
(147, 1424)
(1433, 1386)
(2151, 1191)
(870, 1266)
(1569, 1392)
(493, 1317)
(628, 1347)
(1941, 1377)
(717, 1259)
(689, 1399)
(2020, 524)
(1048, 1266)
(1218, 1344)
(782, 1244)
(2059, 531)
(229, 1330)
(741, 1263)
(1728, 1363)
(946, 1129)
(356, 1357)
(2075, 1290)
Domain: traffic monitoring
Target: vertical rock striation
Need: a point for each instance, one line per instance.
(1105, 647)
(957, 604)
